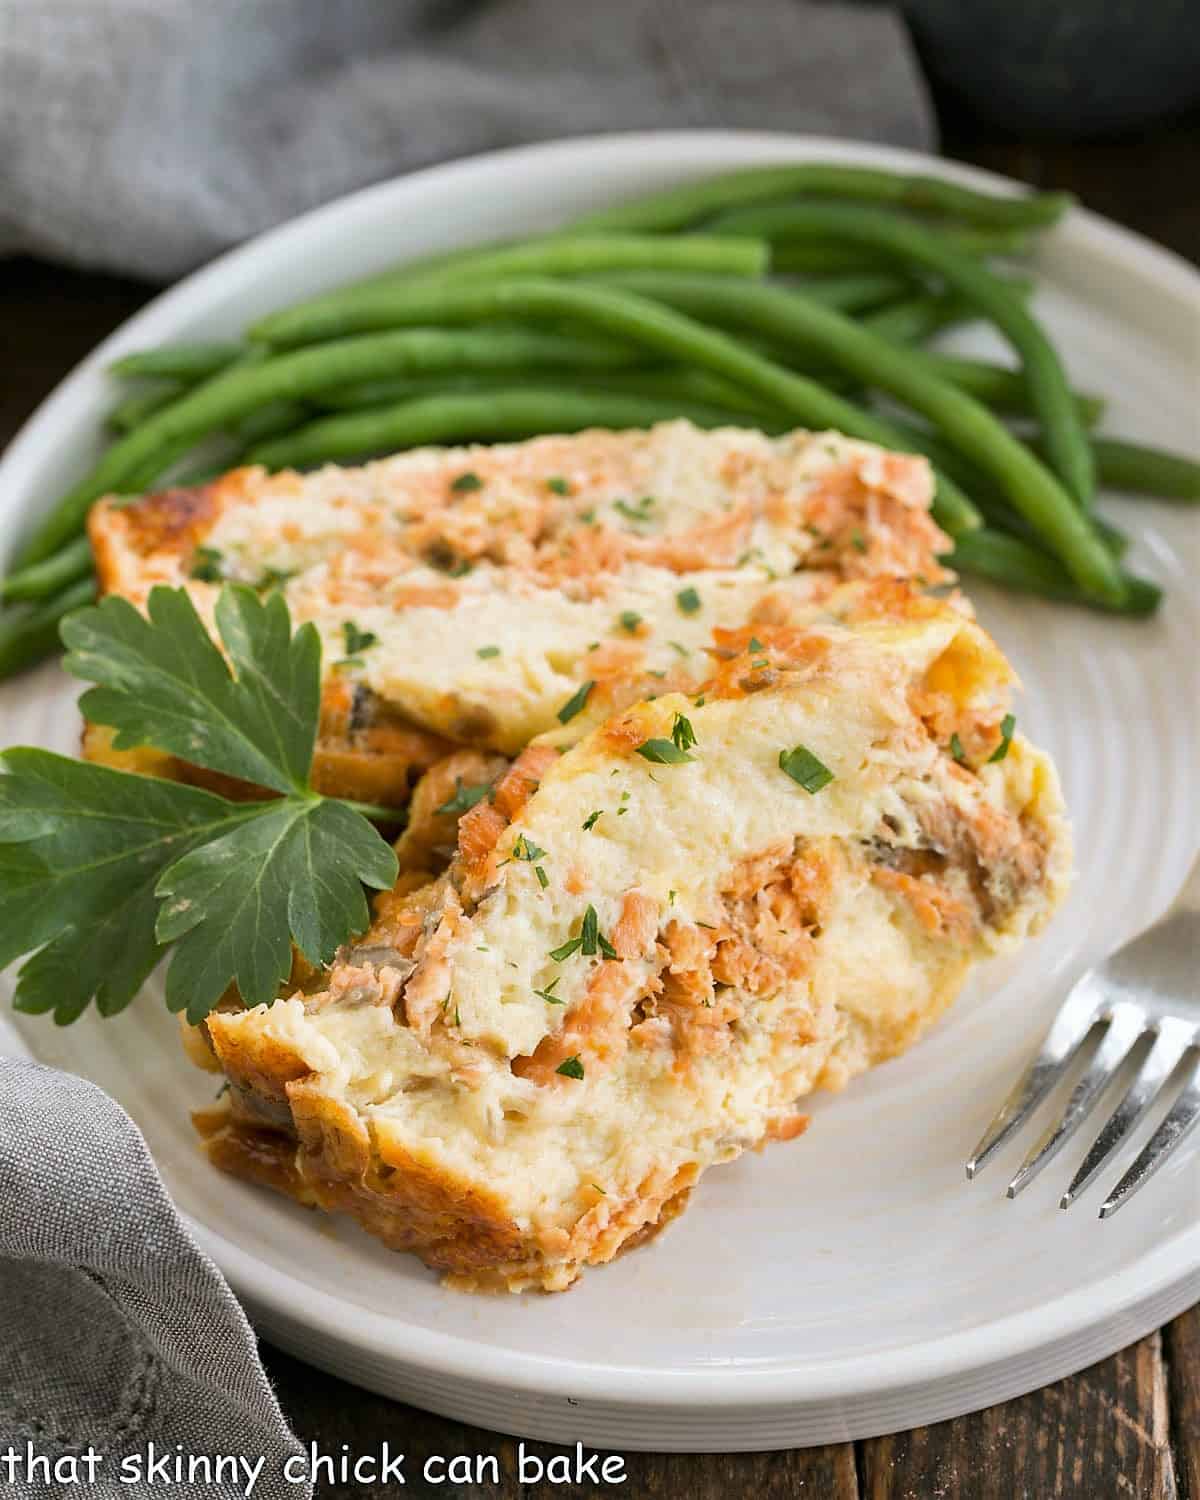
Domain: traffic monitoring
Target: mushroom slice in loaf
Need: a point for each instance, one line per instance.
(462, 594)
(655, 937)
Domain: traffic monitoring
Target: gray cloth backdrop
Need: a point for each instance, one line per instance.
(146, 136)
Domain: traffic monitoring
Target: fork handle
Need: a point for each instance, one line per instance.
(1188, 898)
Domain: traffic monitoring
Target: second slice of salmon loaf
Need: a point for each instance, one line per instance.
(660, 927)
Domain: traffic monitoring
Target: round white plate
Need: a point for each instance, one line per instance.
(852, 1283)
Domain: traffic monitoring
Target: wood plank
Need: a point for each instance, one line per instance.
(1102, 1433)
(1182, 1349)
(330, 1413)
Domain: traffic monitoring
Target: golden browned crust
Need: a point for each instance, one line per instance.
(279, 1129)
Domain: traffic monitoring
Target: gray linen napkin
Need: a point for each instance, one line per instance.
(116, 1331)
(147, 135)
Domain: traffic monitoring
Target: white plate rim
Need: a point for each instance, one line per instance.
(1171, 1267)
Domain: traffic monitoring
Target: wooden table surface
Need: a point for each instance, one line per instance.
(1128, 1427)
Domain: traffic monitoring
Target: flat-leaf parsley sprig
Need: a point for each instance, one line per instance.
(102, 870)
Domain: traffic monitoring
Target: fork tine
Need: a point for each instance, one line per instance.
(1071, 1026)
(1180, 1119)
(1156, 1067)
(1125, 1025)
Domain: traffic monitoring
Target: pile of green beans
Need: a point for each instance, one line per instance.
(775, 297)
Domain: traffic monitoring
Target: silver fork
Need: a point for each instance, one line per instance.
(1150, 988)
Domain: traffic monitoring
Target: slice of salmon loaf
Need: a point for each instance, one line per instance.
(651, 943)
(463, 595)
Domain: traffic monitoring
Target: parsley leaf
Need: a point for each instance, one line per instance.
(630, 620)
(688, 600)
(162, 682)
(557, 485)
(465, 797)
(293, 872)
(956, 748)
(464, 484)
(592, 819)
(101, 870)
(82, 848)
(805, 769)
(571, 1067)
(486, 653)
(1007, 724)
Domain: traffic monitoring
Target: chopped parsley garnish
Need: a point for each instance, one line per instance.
(630, 620)
(557, 485)
(672, 752)
(680, 647)
(688, 600)
(525, 849)
(755, 644)
(683, 736)
(274, 578)
(543, 878)
(589, 933)
(207, 565)
(570, 1068)
(805, 769)
(589, 942)
(575, 703)
(357, 640)
(464, 483)
(485, 653)
(858, 541)
(1007, 724)
(956, 748)
(588, 517)
(639, 512)
(592, 819)
(548, 994)
(465, 797)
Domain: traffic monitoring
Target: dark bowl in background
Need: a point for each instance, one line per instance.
(1064, 67)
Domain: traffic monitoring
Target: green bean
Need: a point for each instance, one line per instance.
(633, 318)
(458, 418)
(996, 385)
(1146, 471)
(138, 405)
(834, 255)
(965, 422)
(915, 319)
(551, 255)
(52, 576)
(583, 255)
(855, 293)
(1016, 565)
(30, 634)
(911, 243)
(143, 455)
(189, 362)
(692, 202)
(269, 421)
(670, 381)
